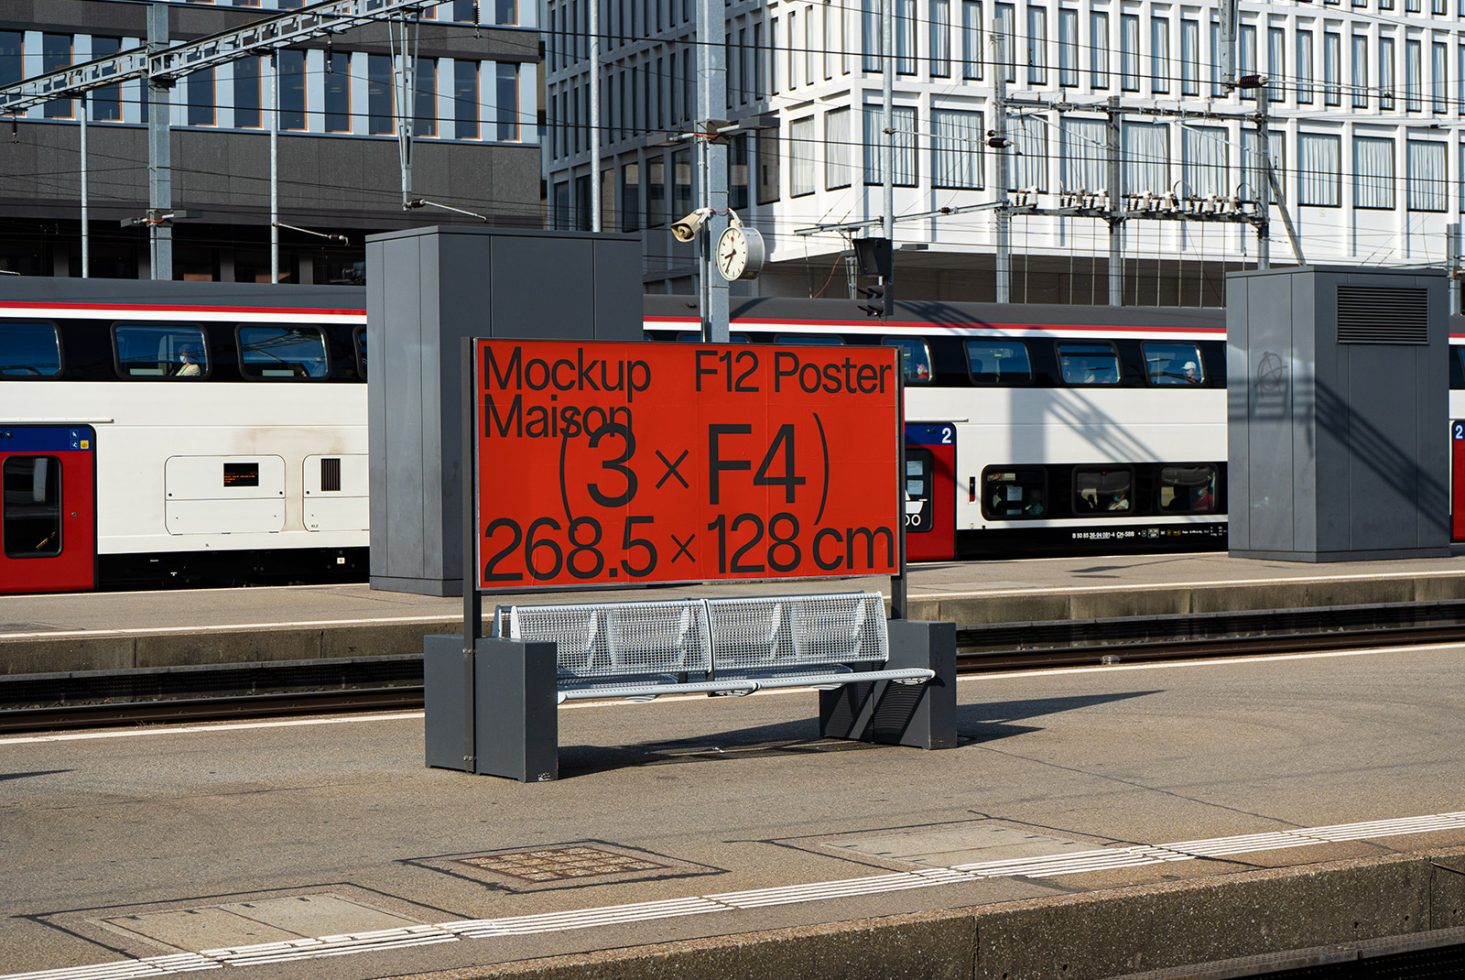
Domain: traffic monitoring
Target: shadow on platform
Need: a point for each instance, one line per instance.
(976, 724)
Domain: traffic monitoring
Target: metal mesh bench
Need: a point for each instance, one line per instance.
(642, 650)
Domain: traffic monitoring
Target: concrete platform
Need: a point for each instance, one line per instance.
(1107, 820)
(112, 631)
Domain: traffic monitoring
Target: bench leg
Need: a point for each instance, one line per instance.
(517, 731)
(918, 715)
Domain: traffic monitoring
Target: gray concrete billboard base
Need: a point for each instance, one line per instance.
(920, 716)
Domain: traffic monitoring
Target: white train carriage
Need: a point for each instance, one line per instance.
(1037, 429)
(180, 432)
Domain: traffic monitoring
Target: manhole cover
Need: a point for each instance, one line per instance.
(560, 863)
(563, 865)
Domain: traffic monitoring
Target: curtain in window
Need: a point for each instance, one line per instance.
(869, 34)
(1426, 162)
(940, 38)
(1322, 167)
(1203, 150)
(1029, 168)
(836, 149)
(1146, 158)
(1373, 168)
(801, 156)
(1085, 155)
(956, 148)
(905, 145)
(1251, 175)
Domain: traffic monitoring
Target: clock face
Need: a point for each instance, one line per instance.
(732, 254)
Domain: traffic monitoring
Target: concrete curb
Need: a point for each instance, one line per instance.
(1075, 937)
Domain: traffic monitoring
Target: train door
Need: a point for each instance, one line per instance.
(48, 540)
(1457, 480)
(930, 491)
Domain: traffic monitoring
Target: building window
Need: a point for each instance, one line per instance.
(424, 102)
(1360, 71)
(1146, 158)
(1129, 52)
(940, 38)
(1218, 87)
(506, 12)
(1304, 68)
(905, 37)
(837, 149)
(737, 171)
(1203, 153)
(247, 93)
(801, 178)
(1030, 143)
(1085, 155)
(759, 62)
(972, 55)
(1246, 57)
(904, 139)
(56, 55)
(1005, 24)
(106, 101)
(870, 41)
(508, 102)
(1189, 57)
(1099, 50)
(768, 178)
(1037, 46)
(292, 89)
(1068, 48)
(681, 188)
(956, 149)
(1413, 76)
(1373, 169)
(463, 11)
(1427, 180)
(199, 92)
(379, 93)
(656, 209)
(338, 92)
(465, 99)
(1332, 59)
(631, 197)
(1386, 73)
(1159, 55)
(1276, 64)
(1251, 176)
(10, 56)
(1321, 175)
(1439, 58)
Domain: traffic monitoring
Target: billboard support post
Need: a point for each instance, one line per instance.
(472, 598)
(898, 593)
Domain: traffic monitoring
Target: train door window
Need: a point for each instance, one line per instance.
(361, 352)
(1459, 356)
(696, 338)
(915, 359)
(283, 353)
(998, 362)
(32, 508)
(29, 350)
(1173, 363)
(920, 466)
(1088, 364)
(1014, 493)
(1100, 490)
(1188, 489)
(160, 351)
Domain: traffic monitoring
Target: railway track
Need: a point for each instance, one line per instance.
(41, 702)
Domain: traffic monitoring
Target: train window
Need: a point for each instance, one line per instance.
(29, 350)
(1188, 489)
(915, 359)
(32, 508)
(1173, 363)
(808, 340)
(1097, 490)
(361, 352)
(1014, 493)
(282, 353)
(998, 362)
(1088, 364)
(161, 351)
(696, 338)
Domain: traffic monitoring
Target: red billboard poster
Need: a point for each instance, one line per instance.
(605, 463)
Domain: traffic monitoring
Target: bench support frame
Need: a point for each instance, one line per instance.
(516, 727)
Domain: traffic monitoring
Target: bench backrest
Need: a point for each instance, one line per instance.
(737, 637)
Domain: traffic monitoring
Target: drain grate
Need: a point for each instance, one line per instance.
(560, 864)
